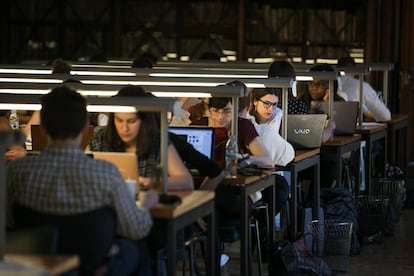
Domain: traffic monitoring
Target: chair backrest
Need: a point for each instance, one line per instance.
(89, 235)
(32, 240)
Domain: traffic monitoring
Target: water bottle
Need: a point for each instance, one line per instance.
(14, 119)
(231, 157)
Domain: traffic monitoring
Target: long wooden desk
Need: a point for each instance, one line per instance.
(304, 159)
(398, 123)
(194, 205)
(53, 264)
(248, 185)
(371, 132)
(340, 145)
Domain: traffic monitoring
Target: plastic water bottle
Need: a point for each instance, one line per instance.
(231, 157)
(14, 119)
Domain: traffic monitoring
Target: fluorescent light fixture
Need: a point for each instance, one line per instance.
(182, 94)
(223, 59)
(101, 65)
(112, 108)
(24, 91)
(25, 71)
(184, 58)
(263, 60)
(206, 75)
(304, 78)
(309, 61)
(99, 73)
(17, 106)
(31, 80)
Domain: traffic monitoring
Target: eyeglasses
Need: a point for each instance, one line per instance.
(225, 112)
(318, 84)
(267, 104)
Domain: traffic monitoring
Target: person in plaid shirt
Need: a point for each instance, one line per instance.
(63, 180)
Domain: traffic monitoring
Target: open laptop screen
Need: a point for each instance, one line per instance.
(202, 138)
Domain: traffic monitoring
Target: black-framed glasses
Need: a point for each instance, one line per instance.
(317, 84)
(225, 112)
(267, 104)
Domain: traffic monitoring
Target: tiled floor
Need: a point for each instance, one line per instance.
(395, 256)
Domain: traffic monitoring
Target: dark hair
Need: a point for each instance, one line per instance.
(257, 94)
(243, 100)
(63, 113)
(149, 130)
(141, 62)
(209, 56)
(153, 58)
(321, 68)
(281, 69)
(346, 61)
(218, 103)
(61, 66)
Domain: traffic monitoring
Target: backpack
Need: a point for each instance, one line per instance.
(339, 204)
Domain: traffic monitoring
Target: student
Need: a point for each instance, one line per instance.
(16, 150)
(63, 180)
(248, 139)
(374, 109)
(138, 132)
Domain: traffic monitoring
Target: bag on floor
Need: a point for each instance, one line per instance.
(339, 204)
(287, 258)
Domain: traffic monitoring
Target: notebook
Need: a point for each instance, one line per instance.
(202, 138)
(305, 130)
(126, 162)
(39, 138)
(345, 115)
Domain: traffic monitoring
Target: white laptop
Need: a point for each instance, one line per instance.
(304, 131)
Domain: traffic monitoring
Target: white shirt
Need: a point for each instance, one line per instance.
(280, 150)
(370, 100)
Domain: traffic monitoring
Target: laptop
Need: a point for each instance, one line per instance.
(304, 131)
(39, 138)
(345, 115)
(201, 138)
(126, 162)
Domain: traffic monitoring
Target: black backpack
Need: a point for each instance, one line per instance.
(339, 204)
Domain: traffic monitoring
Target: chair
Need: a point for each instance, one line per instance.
(89, 235)
(229, 232)
(190, 246)
(32, 240)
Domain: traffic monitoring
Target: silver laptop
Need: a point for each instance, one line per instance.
(305, 131)
(126, 162)
(345, 115)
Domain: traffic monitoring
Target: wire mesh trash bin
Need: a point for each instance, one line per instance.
(332, 242)
(371, 217)
(391, 188)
